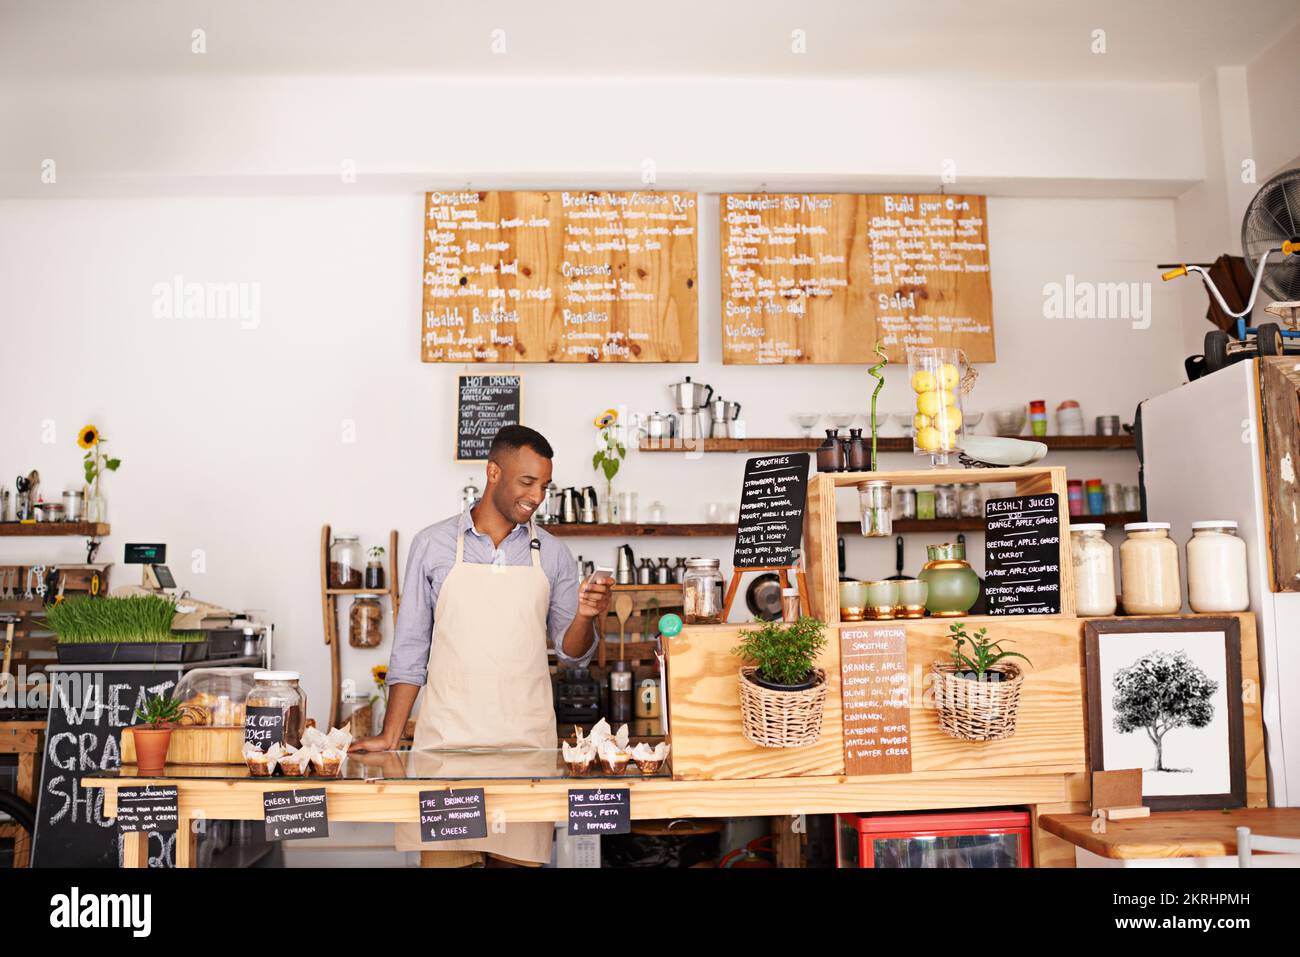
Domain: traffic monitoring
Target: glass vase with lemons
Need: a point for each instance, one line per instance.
(938, 383)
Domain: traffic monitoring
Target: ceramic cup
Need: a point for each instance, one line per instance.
(912, 593)
(853, 600)
(882, 599)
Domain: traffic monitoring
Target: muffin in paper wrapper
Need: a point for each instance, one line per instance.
(327, 750)
(649, 760)
(261, 763)
(296, 761)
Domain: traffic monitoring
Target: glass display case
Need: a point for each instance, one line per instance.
(214, 697)
(967, 839)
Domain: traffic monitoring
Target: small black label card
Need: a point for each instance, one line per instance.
(264, 726)
(600, 811)
(151, 809)
(452, 815)
(294, 814)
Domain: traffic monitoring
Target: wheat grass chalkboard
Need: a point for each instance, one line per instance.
(559, 276)
(484, 405)
(819, 278)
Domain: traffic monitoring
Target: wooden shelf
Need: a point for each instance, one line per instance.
(892, 443)
(356, 591)
(902, 526)
(49, 529)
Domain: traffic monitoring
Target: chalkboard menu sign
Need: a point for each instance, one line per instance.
(1022, 555)
(295, 814)
(484, 405)
(820, 278)
(453, 815)
(772, 498)
(263, 725)
(147, 809)
(559, 276)
(89, 710)
(600, 811)
(876, 695)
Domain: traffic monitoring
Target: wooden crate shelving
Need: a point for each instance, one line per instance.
(821, 527)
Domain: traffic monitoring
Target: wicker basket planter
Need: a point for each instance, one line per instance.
(781, 719)
(977, 710)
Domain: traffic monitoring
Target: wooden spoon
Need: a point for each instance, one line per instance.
(623, 609)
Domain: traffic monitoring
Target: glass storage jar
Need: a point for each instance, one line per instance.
(945, 501)
(876, 508)
(366, 618)
(346, 562)
(970, 504)
(375, 569)
(935, 377)
(1094, 570)
(275, 709)
(702, 592)
(904, 502)
(1216, 568)
(214, 697)
(1148, 564)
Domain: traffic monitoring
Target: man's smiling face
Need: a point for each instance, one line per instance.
(517, 483)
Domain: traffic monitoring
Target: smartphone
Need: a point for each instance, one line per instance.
(600, 572)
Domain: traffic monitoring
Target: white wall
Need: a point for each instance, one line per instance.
(231, 439)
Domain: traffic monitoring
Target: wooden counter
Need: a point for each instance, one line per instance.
(1170, 834)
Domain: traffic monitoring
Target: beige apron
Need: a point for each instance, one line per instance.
(489, 685)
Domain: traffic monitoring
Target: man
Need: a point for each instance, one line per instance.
(490, 588)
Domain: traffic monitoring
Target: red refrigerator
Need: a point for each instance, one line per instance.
(949, 839)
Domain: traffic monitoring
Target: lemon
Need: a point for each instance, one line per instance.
(920, 421)
(952, 440)
(928, 438)
(929, 403)
(949, 418)
(922, 381)
(949, 376)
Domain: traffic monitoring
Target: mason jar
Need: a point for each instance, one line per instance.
(1148, 562)
(702, 592)
(347, 566)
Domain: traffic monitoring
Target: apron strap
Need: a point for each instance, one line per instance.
(534, 544)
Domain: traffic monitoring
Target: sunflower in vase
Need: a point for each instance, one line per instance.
(94, 464)
(610, 452)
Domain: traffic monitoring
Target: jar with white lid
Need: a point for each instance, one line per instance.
(275, 709)
(702, 592)
(1216, 568)
(1094, 570)
(1148, 562)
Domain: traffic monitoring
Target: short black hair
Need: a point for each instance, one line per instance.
(511, 438)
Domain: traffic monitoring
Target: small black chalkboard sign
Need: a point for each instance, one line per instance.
(295, 814)
(772, 498)
(453, 815)
(263, 725)
(600, 811)
(1022, 555)
(484, 405)
(152, 809)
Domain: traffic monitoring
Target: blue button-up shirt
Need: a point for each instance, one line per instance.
(432, 555)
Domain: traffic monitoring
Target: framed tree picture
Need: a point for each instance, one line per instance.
(1164, 695)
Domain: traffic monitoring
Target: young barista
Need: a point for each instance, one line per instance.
(484, 592)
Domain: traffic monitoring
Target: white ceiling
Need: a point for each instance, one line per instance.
(1152, 41)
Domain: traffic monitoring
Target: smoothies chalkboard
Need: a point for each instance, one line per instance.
(1022, 555)
(772, 498)
(484, 405)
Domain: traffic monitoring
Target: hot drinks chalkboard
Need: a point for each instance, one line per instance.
(89, 710)
(1022, 555)
(484, 405)
(772, 498)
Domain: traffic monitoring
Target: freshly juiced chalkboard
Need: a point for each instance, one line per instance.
(772, 498)
(88, 712)
(1022, 555)
(458, 815)
(484, 405)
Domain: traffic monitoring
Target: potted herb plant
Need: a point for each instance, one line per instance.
(782, 692)
(133, 628)
(154, 734)
(977, 691)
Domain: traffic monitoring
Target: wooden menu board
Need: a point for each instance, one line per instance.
(876, 694)
(819, 278)
(559, 276)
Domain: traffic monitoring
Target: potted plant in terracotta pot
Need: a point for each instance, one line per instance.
(152, 737)
(782, 692)
(977, 691)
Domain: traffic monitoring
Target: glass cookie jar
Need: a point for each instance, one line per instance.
(275, 709)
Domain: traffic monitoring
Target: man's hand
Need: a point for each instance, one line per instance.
(375, 743)
(593, 597)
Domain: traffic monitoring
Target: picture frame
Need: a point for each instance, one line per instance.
(1191, 745)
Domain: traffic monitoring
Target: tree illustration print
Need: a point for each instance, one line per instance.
(1159, 692)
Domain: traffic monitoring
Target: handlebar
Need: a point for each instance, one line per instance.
(1174, 273)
